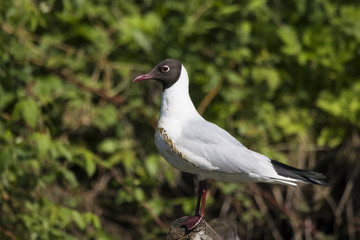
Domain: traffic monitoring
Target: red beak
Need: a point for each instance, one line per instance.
(143, 77)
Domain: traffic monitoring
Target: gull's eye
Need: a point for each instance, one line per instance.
(165, 69)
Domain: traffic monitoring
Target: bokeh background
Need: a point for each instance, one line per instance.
(77, 154)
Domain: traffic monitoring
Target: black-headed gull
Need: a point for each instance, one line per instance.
(193, 145)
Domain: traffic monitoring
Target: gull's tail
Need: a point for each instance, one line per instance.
(302, 175)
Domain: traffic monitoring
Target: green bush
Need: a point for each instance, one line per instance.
(77, 156)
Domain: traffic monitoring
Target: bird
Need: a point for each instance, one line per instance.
(193, 145)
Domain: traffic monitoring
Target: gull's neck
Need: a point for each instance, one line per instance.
(176, 103)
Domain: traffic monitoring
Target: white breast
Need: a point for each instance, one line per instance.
(166, 147)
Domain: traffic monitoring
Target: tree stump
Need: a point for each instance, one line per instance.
(225, 230)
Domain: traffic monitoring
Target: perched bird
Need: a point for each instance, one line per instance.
(193, 145)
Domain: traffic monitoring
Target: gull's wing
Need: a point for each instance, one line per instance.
(214, 149)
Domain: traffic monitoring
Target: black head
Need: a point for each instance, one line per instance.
(167, 72)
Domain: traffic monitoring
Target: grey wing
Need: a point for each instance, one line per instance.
(216, 149)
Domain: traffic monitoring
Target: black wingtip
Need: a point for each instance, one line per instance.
(303, 175)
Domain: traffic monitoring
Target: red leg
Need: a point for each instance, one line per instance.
(204, 190)
(192, 221)
(200, 194)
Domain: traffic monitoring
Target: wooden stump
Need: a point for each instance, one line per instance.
(224, 231)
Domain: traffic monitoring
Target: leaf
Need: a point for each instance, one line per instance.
(108, 145)
(43, 143)
(139, 194)
(78, 219)
(289, 37)
(90, 165)
(96, 221)
(152, 165)
(28, 110)
(6, 158)
(70, 177)
(229, 9)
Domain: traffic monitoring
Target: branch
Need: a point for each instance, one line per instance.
(217, 229)
(7, 233)
(71, 77)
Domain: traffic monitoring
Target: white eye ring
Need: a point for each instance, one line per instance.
(165, 69)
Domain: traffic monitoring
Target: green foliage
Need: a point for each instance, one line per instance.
(77, 157)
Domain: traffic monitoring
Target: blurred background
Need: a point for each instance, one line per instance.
(77, 152)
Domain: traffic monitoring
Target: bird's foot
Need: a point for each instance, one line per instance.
(191, 222)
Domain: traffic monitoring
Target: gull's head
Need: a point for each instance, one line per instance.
(167, 72)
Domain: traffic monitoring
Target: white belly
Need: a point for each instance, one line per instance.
(166, 147)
